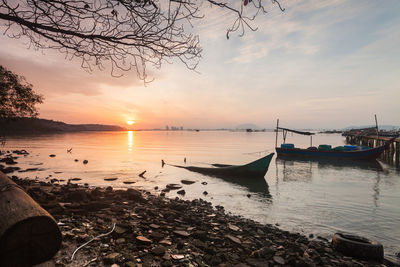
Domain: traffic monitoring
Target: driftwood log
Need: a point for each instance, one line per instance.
(28, 234)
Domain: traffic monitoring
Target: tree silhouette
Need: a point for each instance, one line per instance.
(125, 34)
(17, 98)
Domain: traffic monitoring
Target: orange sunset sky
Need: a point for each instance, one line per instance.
(319, 64)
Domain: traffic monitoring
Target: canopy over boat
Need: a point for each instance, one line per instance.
(294, 131)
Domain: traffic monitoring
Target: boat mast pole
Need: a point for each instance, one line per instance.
(276, 135)
(377, 130)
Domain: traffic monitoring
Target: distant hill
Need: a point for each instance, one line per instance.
(38, 126)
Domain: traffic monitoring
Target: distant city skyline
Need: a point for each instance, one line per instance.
(329, 64)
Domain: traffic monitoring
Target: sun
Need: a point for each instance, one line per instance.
(130, 122)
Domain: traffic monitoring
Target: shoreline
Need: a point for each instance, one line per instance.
(151, 230)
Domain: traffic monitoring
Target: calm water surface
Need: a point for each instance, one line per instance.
(305, 197)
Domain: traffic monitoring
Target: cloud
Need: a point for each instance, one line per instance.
(302, 30)
(52, 74)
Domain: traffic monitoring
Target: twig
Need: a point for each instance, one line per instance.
(97, 237)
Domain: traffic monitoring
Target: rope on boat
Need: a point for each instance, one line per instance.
(97, 237)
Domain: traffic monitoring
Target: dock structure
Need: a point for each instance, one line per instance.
(390, 156)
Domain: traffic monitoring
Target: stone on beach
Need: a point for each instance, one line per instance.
(110, 179)
(181, 192)
(129, 182)
(182, 233)
(173, 186)
(187, 182)
(144, 240)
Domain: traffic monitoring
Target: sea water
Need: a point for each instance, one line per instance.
(318, 198)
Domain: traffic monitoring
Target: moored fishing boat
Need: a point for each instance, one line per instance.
(325, 151)
(257, 168)
(359, 154)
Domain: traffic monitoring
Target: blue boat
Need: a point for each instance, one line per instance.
(325, 151)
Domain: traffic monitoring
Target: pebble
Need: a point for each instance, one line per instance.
(173, 186)
(187, 182)
(177, 257)
(182, 233)
(279, 260)
(158, 251)
(234, 239)
(111, 179)
(181, 192)
(144, 240)
(154, 226)
(233, 227)
(110, 258)
(120, 240)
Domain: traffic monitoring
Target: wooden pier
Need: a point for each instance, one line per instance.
(390, 156)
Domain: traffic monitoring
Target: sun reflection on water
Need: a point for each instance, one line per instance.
(130, 140)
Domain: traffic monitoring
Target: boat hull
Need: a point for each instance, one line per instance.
(255, 169)
(368, 154)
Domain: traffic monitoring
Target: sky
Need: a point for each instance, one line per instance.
(318, 64)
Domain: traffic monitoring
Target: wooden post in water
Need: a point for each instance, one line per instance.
(397, 161)
(28, 233)
(276, 136)
(392, 153)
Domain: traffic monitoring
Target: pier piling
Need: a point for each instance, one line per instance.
(390, 155)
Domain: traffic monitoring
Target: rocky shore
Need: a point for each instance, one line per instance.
(137, 228)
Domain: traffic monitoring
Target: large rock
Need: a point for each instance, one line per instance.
(134, 195)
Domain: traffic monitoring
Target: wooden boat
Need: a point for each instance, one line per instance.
(363, 153)
(257, 168)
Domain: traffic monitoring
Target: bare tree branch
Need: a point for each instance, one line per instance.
(124, 34)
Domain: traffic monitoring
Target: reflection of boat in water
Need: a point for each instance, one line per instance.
(253, 170)
(373, 165)
(253, 185)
